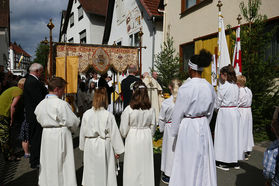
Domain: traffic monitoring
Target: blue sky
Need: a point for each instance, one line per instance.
(29, 19)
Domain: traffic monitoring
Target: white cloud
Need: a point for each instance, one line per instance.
(29, 19)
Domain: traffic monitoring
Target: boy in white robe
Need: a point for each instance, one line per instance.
(57, 166)
(246, 121)
(101, 142)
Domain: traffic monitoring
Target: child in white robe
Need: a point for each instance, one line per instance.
(194, 161)
(101, 142)
(246, 120)
(226, 144)
(57, 164)
(168, 146)
(137, 126)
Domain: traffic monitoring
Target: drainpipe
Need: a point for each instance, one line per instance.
(153, 41)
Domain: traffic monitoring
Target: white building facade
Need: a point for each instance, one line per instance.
(84, 22)
(19, 60)
(129, 16)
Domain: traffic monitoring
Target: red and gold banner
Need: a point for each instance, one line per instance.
(101, 58)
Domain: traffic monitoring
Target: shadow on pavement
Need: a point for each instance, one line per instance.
(7, 170)
(252, 176)
(27, 179)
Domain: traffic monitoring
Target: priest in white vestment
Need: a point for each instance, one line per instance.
(137, 127)
(154, 92)
(57, 164)
(194, 160)
(101, 142)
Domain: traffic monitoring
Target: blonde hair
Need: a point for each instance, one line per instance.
(174, 85)
(21, 82)
(241, 80)
(100, 98)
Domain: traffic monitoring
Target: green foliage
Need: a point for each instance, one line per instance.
(259, 69)
(167, 63)
(42, 54)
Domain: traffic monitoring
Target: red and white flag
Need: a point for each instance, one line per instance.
(237, 53)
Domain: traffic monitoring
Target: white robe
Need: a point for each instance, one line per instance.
(137, 126)
(246, 120)
(168, 140)
(226, 142)
(100, 140)
(57, 164)
(194, 161)
(153, 88)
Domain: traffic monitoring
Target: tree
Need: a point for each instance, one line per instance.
(259, 69)
(167, 63)
(42, 54)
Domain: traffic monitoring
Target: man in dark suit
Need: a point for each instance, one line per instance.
(34, 92)
(126, 83)
(103, 83)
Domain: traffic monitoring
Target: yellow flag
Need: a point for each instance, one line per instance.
(72, 71)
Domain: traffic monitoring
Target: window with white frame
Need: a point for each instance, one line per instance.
(134, 39)
(80, 12)
(72, 19)
(71, 40)
(82, 36)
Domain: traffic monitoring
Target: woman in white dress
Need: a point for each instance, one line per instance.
(194, 161)
(226, 143)
(57, 163)
(137, 126)
(101, 142)
(246, 120)
(165, 126)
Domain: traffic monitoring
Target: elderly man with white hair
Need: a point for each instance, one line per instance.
(34, 92)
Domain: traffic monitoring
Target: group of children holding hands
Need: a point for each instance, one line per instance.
(188, 156)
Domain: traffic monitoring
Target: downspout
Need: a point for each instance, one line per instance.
(153, 41)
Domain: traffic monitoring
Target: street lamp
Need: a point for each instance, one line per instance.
(50, 25)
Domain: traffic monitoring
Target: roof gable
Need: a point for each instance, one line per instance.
(98, 7)
(152, 6)
(18, 50)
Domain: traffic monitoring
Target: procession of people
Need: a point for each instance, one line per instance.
(191, 152)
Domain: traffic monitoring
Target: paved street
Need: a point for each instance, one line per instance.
(19, 173)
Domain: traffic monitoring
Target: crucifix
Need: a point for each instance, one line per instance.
(219, 5)
(239, 18)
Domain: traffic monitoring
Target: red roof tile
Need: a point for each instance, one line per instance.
(151, 6)
(4, 13)
(98, 7)
(18, 50)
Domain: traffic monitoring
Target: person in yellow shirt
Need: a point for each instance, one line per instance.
(8, 100)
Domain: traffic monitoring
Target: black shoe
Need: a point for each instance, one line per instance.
(223, 167)
(165, 179)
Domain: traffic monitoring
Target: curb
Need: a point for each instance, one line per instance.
(259, 148)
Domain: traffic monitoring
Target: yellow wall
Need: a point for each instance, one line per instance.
(204, 21)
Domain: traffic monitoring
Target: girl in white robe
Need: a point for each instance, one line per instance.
(101, 142)
(57, 164)
(246, 120)
(226, 143)
(168, 146)
(137, 126)
(194, 161)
